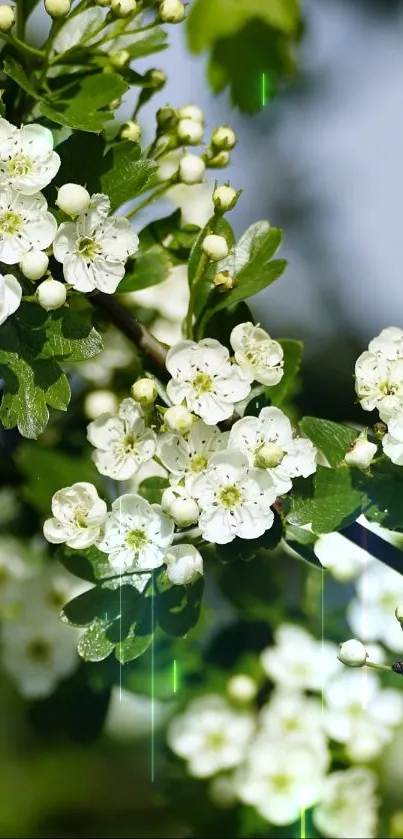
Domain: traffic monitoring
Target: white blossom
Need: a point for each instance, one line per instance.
(242, 688)
(191, 169)
(170, 298)
(177, 502)
(204, 378)
(27, 160)
(282, 776)
(122, 441)
(94, 249)
(259, 356)
(360, 714)
(10, 296)
(184, 564)
(388, 343)
(78, 515)
(99, 402)
(177, 418)
(210, 735)
(267, 441)
(289, 712)
(347, 809)
(187, 457)
(136, 534)
(340, 556)
(25, 223)
(392, 441)
(234, 500)
(14, 568)
(361, 453)
(371, 614)
(379, 384)
(298, 660)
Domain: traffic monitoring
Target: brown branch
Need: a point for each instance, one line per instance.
(138, 334)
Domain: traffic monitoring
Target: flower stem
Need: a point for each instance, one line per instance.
(375, 666)
(192, 298)
(153, 197)
(26, 49)
(20, 20)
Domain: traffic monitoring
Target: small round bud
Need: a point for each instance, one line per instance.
(167, 118)
(172, 11)
(7, 18)
(399, 613)
(100, 402)
(123, 8)
(115, 104)
(184, 511)
(224, 198)
(57, 8)
(167, 499)
(178, 419)
(191, 112)
(157, 78)
(223, 138)
(215, 247)
(223, 281)
(190, 132)
(217, 161)
(191, 169)
(184, 564)
(361, 453)
(242, 688)
(73, 199)
(51, 294)
(130, 131)
(144, 391)
(34, 264)
(269, 456)
(120, 59)
(352, 653)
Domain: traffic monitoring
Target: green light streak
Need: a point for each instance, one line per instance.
(264, 90)
(303, 824)
(174, 676)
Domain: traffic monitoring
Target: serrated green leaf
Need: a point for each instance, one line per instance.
(292, 363)
(302, 542)
(81, 158)
(149, 268)
(107, 604)
(15, 70)
(64, 334)
(80, 105)
(178, 607)
(328, 500)
(93, 644)
(331, 438)
(141, 44)
(211, 20)
(125, 173)
(383, 490)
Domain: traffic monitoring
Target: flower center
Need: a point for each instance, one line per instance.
(202, 383)
(198, 463)
(87, 247)
(129, 444)
(215, 740)
(268, 456)
(10, 222)
(281, 783)
(20, 165)
(230, 497)
(39, 650)
(80, 517)
(137, 539)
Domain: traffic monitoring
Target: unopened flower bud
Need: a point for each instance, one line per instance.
(184, 511)
(157, 78)
(191, 169)
(51, 294)
(34, 264)
(130, 131)
(144, 391)
(100, 402)
(223, 138)
(217, 161)
(57, 8)
(184, 564)
(399, 613)
(123, 8)
(120, 59)
(215, 247)
(190, 132)
(361, 453)
(192, 112)
(178, 419)
(223, 281)
(269, 456)
(224, 198)
(73, 199)
(242, 688)
(167, 499)
(172, 11)
(352, 653)
(7, 18)
(114, 104)
(167, 118)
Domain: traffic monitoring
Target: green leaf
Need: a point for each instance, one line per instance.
(210, 20)
(17, 73)
(152, 488)
(221, 325)
(292, 363)
(178, 607)
(132, 647)
(28, 7)
(93, 644)
(79, 106)
(150, 267)
(125, 174)
(64, 334)
(108, 605)
(46, 471)
(76, 563)
(302, 542)
(329, 500)
(331, 438)
(145, 43)
(384, 493)
(81, 158)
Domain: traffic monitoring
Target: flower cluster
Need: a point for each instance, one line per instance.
(379, 384)
(223, 482)
(93, 249)
(278, 759)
